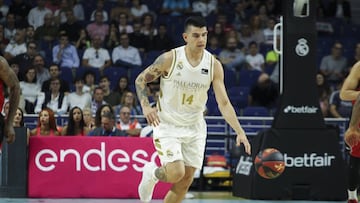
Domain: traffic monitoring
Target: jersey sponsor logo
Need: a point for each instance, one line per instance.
(204, 71)
(117, 159)
(244, 165)
(312, 160)
(301, 109)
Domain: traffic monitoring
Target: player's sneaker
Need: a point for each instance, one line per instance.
(148, 182)
(352, 201)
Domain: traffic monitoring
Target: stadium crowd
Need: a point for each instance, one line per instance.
(77, 58)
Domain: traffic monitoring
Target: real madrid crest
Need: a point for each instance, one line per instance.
(302, 48)
(179, 65)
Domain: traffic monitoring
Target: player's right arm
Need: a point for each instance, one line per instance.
(349, 90)
(8, 76)
(159, 68)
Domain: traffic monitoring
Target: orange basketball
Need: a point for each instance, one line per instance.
(269, 163)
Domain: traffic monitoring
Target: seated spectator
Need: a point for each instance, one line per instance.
(213, 45)
(339, 108)
(131, 126)
(79, 98)
(112, 39)
(31, 91)
(100, 111)
(124, 25)
(100, 8)
(37, 13)
(96, 56)
(88, 118)
(231, 57)
(55, 99)
(148, 25)
(97, 100)
(162, 41)
(78, 9)
(255, 59)
(324, 92)
(25, 60)
(125, 55)
(17, 47)
(46, 124)
(138, 39)
(129, 99)
(264, 92)
(42, 73)
(65, 54)
(76, 124)
(122, 85)
(71, 27)
(334, 66)
(120, 7)
(98, 27)
(83, 42)
(55, 72)
(108, 127)
(89, 82)
(111, 97)
(138, 9)
(19, 122)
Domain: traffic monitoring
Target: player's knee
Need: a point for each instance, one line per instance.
(176, 175)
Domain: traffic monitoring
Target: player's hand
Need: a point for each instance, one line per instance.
(241, 138)
(9, 134)
(151, 116)
(352, 136)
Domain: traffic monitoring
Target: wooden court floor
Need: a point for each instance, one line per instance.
(199, 197)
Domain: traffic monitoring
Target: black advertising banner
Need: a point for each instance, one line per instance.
(315, 169)
(299, 102)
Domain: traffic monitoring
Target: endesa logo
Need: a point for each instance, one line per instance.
(117, 159)
(300, 109)
(312, 160)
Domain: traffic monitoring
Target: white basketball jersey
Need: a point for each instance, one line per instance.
(183, 92)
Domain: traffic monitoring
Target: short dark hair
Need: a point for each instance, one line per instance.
(108, 115)
(197, 21)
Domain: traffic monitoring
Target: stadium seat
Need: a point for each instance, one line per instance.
(248, 78)
(134, 72)
(67, 75)
(239, 96)
(256, 111)
(230, 79)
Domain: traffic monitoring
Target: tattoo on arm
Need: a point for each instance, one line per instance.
(160, 173)
(150, 74)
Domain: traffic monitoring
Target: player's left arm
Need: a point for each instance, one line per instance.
(226, 108)
(8, 76)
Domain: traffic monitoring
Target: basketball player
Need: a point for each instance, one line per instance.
(350, 92)
(9, 78)
(179, 131)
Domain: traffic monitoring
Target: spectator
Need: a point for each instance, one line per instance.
(31, 91)
(121, 7)
(112, 40)
(54, 71)
(218, 32)
(138, 39)
(122, 85)
(356, 56)
(255, 60)
(97, 100)
(78, 10)
(46, 124)
(110, 97)
(124, 25)
(19, 122)
(65, 54)
(98, 27)
(88, 119)
(10, 27)
(264, 92)
(324, 92)
(108, 127)
(15, 67)
(101, 111)
(47, 33)
(17, 47)
(29, 34)
(231, 57)
(96, 56)
(334, 65)
(20, 10)
(100, 8)
(60, 13)
(129, 99)
(55, 99)
(71, 27)
(138, 9)
(269, 31)
(36, 14)
(241, 15)
(4, 9)
(84, 41)
(257, 29)
(25, 60)
(131, 126)
(339, 108)
(148, 25)
(76, 124)
(3, 41)
(246, 35)
(162, 41)
(125, 55)
(176, 8)
(214, 45)
(89, 82)
(79, 98)
(42, 73)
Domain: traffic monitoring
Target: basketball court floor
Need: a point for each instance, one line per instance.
(199, 197)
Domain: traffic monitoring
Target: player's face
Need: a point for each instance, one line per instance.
(196, 37)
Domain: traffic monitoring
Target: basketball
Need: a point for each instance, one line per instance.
(269, 163)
